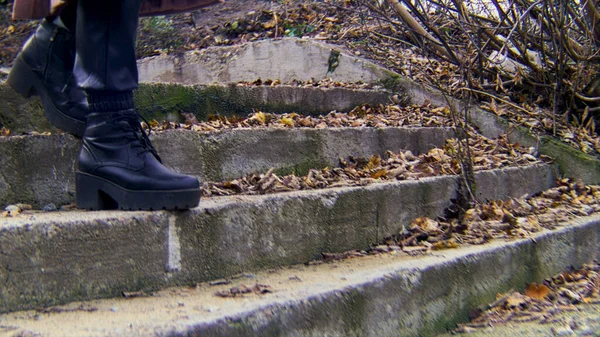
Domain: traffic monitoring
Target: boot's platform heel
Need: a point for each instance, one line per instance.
(27, 83)
(21, 79)
(95, 193)
(45, 67)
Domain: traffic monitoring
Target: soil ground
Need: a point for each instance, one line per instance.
(226, 23)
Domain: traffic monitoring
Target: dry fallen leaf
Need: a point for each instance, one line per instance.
(426, 224)
(537, 291)
(446, 244)
(515, 300)
(240, 290)
(287, 121)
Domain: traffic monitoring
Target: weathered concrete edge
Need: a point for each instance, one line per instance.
(55, 258)
(39, 170)
(421, 301)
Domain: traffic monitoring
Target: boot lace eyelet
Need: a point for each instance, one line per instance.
(137, 132)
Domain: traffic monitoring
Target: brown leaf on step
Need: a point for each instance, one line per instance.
(510, 219)
(537, 291)
(24, 207)
(241, 290)
(134, 294)
(445, 244)
(4, 132)
(415, 250)
(374, 162)
(437, 155)
(379, 173)
(258, 117)
(262, 289)
(514, 301)
(190, 118)
(57, 310)
(426, 224)
(234, 291)
(491, 211)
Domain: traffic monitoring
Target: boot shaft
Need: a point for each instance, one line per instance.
(50, 51)
(115, 138)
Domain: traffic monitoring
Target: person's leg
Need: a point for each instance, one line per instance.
(106, 35)
(118, 167)
(45, 67)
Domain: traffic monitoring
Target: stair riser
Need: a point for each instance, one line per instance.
(53, 258)
(39, 170)
(420, 301)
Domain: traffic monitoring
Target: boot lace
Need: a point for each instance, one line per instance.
(137, 132)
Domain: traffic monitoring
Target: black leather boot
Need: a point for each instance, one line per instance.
(119, 168)
(45, 67)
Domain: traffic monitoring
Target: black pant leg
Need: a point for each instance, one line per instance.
(105, 37)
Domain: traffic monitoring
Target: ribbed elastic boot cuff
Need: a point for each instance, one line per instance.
(105, 101)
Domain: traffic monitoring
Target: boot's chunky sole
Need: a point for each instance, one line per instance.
(96, 193)
(25, 82)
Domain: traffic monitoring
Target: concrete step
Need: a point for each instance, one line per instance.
(49, 258)
(39, 169)
(382, 295)
(286, 60)
(162, 101)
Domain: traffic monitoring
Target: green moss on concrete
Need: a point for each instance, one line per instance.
(162, 100)
(159, 100)
(446, 322)
(355, 313)
(572, 162)
(398, 85)
(22, 115)
(302, 168)
(555, 147)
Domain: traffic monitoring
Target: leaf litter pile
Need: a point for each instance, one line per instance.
(380, 116)
(543, 302)
(517, 218)
(487, 153)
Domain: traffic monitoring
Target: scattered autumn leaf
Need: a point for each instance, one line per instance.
(514, 301)
(287, 121)
(241, 290)
(537, 291)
